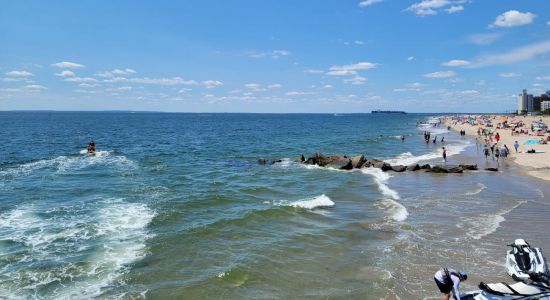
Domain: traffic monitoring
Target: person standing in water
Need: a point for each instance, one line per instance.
(448, 280)
(444, 154)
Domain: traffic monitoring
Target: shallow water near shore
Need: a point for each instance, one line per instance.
(175, 206)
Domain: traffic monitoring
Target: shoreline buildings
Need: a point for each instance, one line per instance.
(528, 103)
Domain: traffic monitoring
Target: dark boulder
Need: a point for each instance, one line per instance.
(425, 167)
(317, 159)
(413, 167)
(276, 161)
(340, 163)
(471, 167)
(300, 159)
(384, 166)
(445, 169)
(491, 169)
(370, 163)
(399, 168)
(358, 161)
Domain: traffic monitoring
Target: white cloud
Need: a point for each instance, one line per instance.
(356, 80)
(35, 87)
(513, 18)
(295, 93)
(355, 67)
(156, 81)
(68, 65)
(358, 42)
(65, 73)
(352, 69)
(432, 7)
(366, 3)
(81, 79)
(440, 74)
(454, 9)
(327, 86)
(543, 77)
(513, 56)
(255, 87)
(88, 85)
(410, 58)
(484, 38)
(273, 54)
(548, 23)
(469, 92)
(341, 73)
(509, 75)
(313, 71)
(456, 63)
(210, 84)
(126, 71)
(19, 74)
(274, 86)
(184, 90)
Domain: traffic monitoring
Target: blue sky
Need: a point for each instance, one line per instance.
(273, 56)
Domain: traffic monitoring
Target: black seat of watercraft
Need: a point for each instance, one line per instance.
(523, 260)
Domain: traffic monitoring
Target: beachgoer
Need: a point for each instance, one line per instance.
(444, 154)
(497, 153)
(448, 280)
(486, 152)
(516, 145)
(402, 138)
(497, 137)
(493, 151)
(435, 139)
(443, 139)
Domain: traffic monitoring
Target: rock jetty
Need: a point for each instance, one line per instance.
(343, 162)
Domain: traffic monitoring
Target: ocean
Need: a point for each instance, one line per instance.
(176, 206)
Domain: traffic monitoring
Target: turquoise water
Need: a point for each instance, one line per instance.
(175, 206)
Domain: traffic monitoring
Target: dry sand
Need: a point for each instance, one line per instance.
(534, 164)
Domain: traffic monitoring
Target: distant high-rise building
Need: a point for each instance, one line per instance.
(544, 105)
(525, 102)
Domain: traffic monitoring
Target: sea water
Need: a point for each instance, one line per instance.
(175, 206)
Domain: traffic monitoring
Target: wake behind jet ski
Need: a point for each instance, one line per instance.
(522, 259)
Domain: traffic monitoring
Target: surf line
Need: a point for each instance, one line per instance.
(398, 212)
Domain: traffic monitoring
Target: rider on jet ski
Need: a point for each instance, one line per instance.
(91, 147)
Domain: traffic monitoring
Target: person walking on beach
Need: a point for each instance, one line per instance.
(486, 152)
(493, 151)
(516, 145)
(448, 280)
(444, 154)
(497, 137)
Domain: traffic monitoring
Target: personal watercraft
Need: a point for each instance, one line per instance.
(537, 287)
(523, 259)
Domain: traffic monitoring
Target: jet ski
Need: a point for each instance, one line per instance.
(537, 287)
(523, 259)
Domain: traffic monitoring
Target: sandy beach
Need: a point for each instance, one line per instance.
(533, 164)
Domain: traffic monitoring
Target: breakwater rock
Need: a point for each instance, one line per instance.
(343, 162)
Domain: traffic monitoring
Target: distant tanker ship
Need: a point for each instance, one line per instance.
(387, 112)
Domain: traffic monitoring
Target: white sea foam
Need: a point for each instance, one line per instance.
(84, 253)
(311, 203)
(397, 211)
(63, 164)
(479, 188)
(485, 224)
(408, 158)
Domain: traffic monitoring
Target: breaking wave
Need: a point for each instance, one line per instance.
(398, 212)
